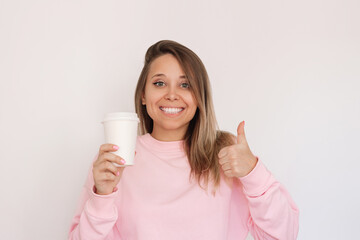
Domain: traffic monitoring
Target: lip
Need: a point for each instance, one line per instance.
(171, 107)
(171, 114)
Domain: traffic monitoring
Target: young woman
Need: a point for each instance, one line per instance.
(190, 180)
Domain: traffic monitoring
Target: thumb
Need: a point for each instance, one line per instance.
(241, 133)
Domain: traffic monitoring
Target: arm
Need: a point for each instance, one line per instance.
(273, 213)
(95, 216)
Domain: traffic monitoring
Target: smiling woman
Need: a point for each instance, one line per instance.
(179, 142)
(169, 67)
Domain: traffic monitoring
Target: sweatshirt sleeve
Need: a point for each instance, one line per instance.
(273, 213)
(95, 216)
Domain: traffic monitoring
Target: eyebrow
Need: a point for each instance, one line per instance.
(163, 75)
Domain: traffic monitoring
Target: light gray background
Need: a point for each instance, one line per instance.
(290, 69)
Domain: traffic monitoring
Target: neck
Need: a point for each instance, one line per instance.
(168, 135)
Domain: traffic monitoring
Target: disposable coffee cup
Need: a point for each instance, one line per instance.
(120, 128)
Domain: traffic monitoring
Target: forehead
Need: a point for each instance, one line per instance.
(166, 63)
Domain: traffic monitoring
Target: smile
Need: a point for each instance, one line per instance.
(170, 110)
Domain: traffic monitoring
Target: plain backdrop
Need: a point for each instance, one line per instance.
(290, 69)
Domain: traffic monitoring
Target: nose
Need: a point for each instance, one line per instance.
(171, 95)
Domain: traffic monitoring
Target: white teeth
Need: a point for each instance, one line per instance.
(171, 110)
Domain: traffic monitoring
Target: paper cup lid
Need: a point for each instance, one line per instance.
(120, 116)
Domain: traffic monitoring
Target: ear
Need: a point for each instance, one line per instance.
(143, 99)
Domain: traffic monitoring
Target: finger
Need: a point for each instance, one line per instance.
(228, 173)
(223, 160)
(108, 176)
(109, 167)
(241, 133)
(222, 152)
(108, 147)
(111, 157)
(226, 166)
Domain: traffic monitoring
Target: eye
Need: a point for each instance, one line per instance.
(185, 85)
(159, 83)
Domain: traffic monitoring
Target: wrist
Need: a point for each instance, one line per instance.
(96, 191)
(252, 163)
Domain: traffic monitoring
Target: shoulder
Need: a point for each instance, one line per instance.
(143, 138)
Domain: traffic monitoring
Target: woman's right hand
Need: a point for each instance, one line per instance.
(106, 174)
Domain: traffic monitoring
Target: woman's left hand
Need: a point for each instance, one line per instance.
(237, 160)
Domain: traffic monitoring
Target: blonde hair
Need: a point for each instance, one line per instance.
(202, 140)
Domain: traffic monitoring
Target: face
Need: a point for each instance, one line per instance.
(168, 98)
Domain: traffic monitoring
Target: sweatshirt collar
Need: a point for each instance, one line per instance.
(162, 146)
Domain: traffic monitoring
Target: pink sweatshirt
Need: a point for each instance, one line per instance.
(156, 201)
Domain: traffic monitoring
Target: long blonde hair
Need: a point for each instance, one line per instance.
(202, 140)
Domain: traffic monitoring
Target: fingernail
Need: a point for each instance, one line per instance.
(115, 147)
(115, 189)
(122, 161)
(118, 173)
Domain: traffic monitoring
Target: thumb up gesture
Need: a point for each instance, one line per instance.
(237, 160)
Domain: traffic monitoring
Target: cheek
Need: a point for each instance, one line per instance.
(190, 100)
(148, 96)
(153, 95)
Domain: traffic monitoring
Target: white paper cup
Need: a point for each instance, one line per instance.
(120, 128)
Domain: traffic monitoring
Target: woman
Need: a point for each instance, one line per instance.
(190, 180)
